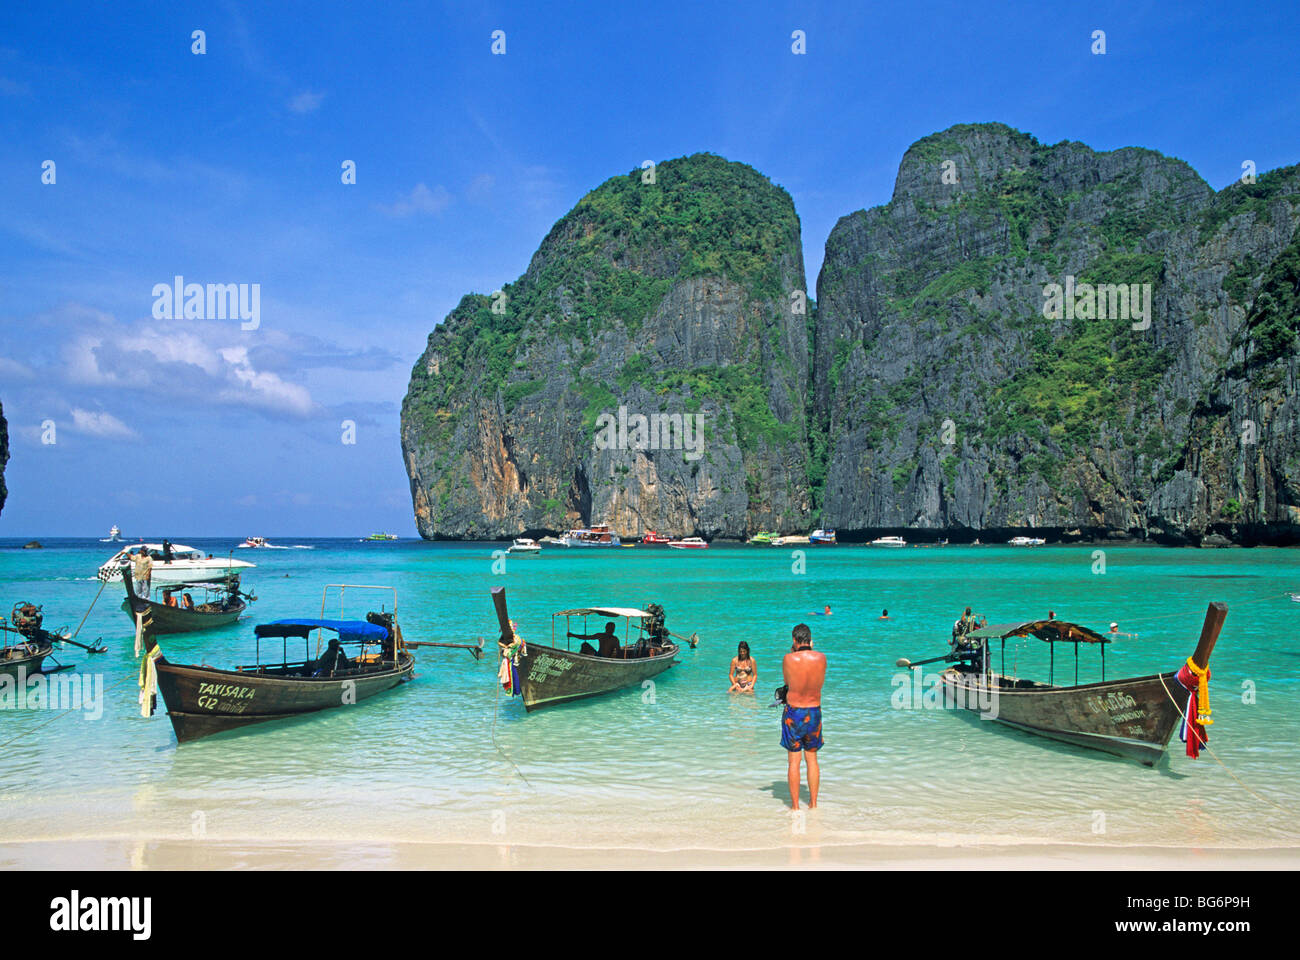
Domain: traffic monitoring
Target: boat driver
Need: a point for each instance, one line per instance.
(333, 658)
(608, 641)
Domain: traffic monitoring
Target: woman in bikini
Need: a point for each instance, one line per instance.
(744, 672)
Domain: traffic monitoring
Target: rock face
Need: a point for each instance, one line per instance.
(664, 294)
(1026, 337)
(946, 398)
(4, 456)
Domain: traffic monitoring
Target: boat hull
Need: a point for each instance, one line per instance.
(1131, 718)
(172, 620)
(549, 675)
(202, 701)
(181, 571)
(15, 661)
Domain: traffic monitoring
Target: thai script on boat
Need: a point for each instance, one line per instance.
(916, 690)
(55, 691)
(545, 666)
(1111, 702)
(179, 300)
(1102, 301)
(211, 696)
(658, 431)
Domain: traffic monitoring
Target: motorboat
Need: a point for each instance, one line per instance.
(1026, 541)
(597, 535)
(524, 545)
(173, 563)
(889, 542)
(114, 535)
(688, 543)
(822, 536)
(254, 542)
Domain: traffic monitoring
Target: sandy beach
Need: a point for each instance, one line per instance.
(138, 854)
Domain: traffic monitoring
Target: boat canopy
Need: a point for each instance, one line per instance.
(605, 612)
(1049, 630)
(355, 631)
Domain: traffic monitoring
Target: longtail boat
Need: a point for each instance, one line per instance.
(176, 611)
(25, 644)
(204, 700)
(546, 675)
(1132, 717)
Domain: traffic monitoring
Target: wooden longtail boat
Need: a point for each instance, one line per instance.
(23, 658)
(549, 675)
(25, 644)
(203, 700)
(1133, 717)
(177, 613)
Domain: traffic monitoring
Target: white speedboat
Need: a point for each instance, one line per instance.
(255, 542)
(185, 565)
(114, 535)
(1026, 541)
(688, 543)
(524, 545)
(889, 542)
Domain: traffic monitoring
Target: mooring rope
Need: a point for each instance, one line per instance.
(1206, 746)
(496, 703)
(102, 585)
(59, 716)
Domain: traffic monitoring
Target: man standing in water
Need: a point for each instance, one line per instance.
(801, 720)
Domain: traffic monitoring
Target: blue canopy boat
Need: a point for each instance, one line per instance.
(363, 658)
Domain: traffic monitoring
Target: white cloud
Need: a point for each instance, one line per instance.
(420, 200)
(97, 423)
(306, 102)
(201, 362)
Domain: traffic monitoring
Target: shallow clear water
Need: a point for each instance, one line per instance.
(449, 759)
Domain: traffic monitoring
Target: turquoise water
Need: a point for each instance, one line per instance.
(448, 759)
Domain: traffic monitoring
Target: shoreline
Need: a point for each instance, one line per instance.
(127, 853)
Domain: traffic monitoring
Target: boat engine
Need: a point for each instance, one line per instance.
(26, 619)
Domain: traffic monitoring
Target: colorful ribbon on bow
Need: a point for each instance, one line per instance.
(1196, 681)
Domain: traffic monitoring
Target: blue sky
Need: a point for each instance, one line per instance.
(225, 168)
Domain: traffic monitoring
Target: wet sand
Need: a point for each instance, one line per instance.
(137, 854)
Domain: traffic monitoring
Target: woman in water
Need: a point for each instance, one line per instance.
(744, 673)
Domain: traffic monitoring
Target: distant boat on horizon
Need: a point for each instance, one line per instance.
(379, 536)
(114, 535)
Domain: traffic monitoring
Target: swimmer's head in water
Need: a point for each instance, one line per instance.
(802, 637)
(742, 650)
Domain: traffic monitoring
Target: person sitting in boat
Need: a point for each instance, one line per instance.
(608, 642)
(168, 553)
(187, 601)
(334, 659)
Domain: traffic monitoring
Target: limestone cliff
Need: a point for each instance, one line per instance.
(952, 393)
(671, 293)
